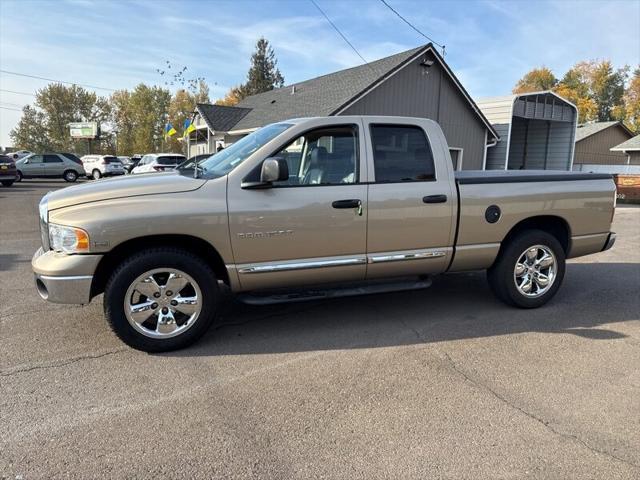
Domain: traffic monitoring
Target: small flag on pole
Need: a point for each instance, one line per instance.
(169, 130)
(188, 127)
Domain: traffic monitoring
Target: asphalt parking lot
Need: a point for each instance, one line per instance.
(441, 383)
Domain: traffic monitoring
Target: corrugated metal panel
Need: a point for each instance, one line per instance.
(532, 135)
(416, 91)
(496, 155)
(595, 148)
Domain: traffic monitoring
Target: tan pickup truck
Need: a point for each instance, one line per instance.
(306, 209)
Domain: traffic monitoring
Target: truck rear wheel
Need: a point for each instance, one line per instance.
(161, 299)
(529, 269)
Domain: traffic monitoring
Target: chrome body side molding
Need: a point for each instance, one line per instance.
(399, 257)
(338, 262)
(302, 265)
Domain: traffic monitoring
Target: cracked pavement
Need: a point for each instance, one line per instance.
(441, 383)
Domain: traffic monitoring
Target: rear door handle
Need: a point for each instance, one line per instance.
(350, 203)
(434, 199)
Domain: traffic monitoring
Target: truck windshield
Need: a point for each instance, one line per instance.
(226, 160)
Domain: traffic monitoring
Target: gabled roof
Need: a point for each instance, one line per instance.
(585, 130)
(221, 118)
(631, 145)
(331, 93)
(319, 96)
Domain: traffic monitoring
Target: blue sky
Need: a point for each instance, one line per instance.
(117, 44)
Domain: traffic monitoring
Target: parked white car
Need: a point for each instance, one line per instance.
(98, 166)
(158, 162)
(19, 154)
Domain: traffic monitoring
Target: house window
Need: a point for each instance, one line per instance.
(456, 157)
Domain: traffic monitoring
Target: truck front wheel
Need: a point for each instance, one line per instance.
(529, 269)
(161, 299)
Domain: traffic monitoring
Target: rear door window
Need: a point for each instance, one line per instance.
(401, 153)
(52, 159)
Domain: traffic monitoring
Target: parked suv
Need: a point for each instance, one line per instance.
(158, 162)
(98, 166)
(48, 165)
(7, 170)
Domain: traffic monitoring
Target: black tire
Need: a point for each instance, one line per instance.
(19, 176)
(501, 274)
(70, 176)
(7, 183)
(96, 175)
(136, 265)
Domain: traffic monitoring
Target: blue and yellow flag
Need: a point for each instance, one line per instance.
(188, 127)
(169, 130)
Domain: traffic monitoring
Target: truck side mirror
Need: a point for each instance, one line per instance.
(274, 170)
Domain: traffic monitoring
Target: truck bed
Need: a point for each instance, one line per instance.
(581, 204)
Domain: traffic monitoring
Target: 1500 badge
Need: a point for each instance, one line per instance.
(273, 233)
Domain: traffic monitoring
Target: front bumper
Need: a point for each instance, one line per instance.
(611, 239)
(62, 278)
(4, 175)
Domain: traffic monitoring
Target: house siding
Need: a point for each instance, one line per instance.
(595, 148)
(416, 91)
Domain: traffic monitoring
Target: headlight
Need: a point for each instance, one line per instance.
(43, 210)
(68, 239)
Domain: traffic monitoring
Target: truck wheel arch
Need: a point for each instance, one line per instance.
(195, 245)
(554, 225)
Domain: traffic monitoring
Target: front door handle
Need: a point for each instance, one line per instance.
(434, 199)
(350, 203)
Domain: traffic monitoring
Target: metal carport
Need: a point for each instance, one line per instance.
(537, 131)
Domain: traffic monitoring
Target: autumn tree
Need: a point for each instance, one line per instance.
(536, 80)
(632, 102)
(263, 75)
(45, 125)
(139, 117)
(596, 88)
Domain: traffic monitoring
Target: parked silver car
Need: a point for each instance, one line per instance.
(48, 165)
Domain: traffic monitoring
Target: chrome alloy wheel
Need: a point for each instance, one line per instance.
(163, 303)
(535, 271)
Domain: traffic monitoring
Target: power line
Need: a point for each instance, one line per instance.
(18, 93)
(13, 109)
(339, 32)
(412, 26)
(9, 104)
(57, 81)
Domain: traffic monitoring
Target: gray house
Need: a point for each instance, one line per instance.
(630, 148)
(415, 83)
(536, 131)
(594, 144)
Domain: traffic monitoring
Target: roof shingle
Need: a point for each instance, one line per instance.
(220, 117)
(633, 144)
(585, 130)
(319, 96)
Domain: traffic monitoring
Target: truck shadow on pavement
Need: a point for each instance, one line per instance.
(457, 306)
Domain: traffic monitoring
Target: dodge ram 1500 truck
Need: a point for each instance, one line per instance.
(311, 208)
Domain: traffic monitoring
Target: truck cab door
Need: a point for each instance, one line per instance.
(412, 201)
(311, 228)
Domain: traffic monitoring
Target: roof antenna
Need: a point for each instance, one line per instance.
(443, 54)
